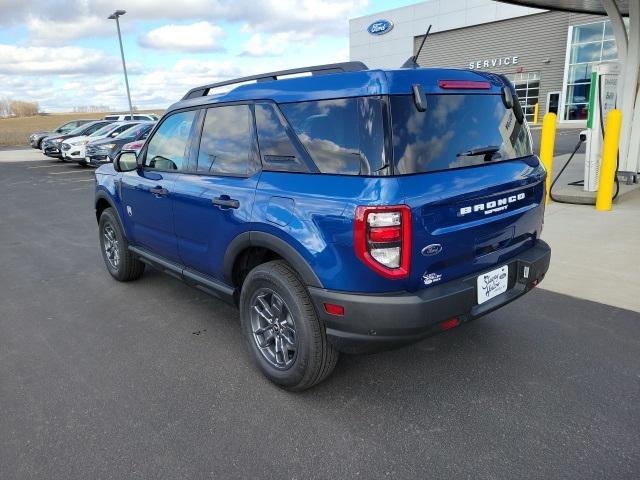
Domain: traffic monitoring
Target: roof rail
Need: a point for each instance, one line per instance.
(265, 77)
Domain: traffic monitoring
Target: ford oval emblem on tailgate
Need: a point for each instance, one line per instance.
(433, 249)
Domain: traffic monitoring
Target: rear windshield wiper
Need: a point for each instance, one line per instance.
(487, 151)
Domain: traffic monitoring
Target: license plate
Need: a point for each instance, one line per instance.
(493, 283)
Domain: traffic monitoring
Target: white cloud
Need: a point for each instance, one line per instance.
(260, 45)
(197, 37)
(56, 60)
(50, 32)
(73, 18)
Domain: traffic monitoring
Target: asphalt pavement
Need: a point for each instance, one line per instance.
(150, 379)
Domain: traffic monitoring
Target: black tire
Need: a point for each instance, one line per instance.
(314, 358)
(127, 267)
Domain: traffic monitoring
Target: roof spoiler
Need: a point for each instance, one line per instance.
(266, 77)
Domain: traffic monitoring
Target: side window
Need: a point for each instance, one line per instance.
(168, 148)
(278, 154)
(119, 130)
(329, 131)
(226, 146)
(94, 128)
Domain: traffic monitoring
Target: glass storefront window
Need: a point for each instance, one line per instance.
(527, 87)
(579, 73)
(591, 32)
(590, 43)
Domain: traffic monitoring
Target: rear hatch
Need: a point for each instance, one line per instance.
(467, 172)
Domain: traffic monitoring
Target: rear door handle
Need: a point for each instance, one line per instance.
(226, 202)
(159, 191)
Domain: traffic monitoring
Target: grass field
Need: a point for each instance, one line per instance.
(16, 131)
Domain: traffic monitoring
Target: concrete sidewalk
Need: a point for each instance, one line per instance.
(12, 155)
(595, 254)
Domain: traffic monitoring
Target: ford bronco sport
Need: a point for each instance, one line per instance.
(350, 210)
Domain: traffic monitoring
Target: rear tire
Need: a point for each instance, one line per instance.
(121, 263)
(285, 336)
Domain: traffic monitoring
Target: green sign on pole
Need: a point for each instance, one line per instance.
(592, 99)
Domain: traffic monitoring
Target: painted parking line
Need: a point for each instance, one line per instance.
(69, 171)
(49, 166)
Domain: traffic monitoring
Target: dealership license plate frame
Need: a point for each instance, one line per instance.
(491, 284)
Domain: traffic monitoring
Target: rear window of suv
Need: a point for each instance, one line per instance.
(343, 136)
(455, 131)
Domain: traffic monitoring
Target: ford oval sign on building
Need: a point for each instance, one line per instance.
(380, 27)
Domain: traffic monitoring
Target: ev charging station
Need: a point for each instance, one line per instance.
(602, 99)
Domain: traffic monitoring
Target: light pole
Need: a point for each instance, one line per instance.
(114, 16)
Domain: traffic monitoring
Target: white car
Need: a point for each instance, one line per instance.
(73, 148)
(146, 117)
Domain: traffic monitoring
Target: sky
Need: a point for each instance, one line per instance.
(65, 54)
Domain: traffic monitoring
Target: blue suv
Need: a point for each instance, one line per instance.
(347, 210)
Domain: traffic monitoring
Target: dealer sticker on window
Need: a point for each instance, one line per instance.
(493, 283)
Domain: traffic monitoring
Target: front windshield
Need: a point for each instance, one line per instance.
(133, 132)
(77, 131)
(103, 131)
(67, 127)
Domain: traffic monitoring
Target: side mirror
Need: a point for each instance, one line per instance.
(126, 162)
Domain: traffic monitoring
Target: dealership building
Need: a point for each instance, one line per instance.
(548, 55)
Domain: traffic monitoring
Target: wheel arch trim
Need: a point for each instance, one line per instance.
(271, 242)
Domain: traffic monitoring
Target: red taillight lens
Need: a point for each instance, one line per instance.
(449, 324)
(464, 84)
(385, 234)
(382, 239)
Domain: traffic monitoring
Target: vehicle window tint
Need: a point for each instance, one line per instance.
(120, 129)
(278, 154)
(455, 131)
(329, 131)
(168, 148)
(93, 128)
(135, 131)
(226, 146)
(102, 129)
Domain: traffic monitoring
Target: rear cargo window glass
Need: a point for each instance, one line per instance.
(278, 153)
(227, 141)
(455, 131)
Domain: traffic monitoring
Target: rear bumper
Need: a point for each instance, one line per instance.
(379, 321)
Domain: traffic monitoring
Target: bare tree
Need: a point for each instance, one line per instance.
(5, 111)
(20, 108)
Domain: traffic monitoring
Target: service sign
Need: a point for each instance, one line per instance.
(494, 62)
(380, 27)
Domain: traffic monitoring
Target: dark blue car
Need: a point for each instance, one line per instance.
(350, 210)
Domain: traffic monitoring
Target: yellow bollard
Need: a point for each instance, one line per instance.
(536, 111)
(609, 159)
(547, 141)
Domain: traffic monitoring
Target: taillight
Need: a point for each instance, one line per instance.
(382, 239)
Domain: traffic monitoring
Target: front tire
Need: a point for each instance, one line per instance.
(285, 336)
(121, 263)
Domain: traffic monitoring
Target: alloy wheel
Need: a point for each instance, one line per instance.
(273, 328)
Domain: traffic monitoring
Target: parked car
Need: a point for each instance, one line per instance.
(35, 139)
(105, 150)
(73, 149)
(350, 210)
(148, 117)
(52, 146)
(134, 147)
